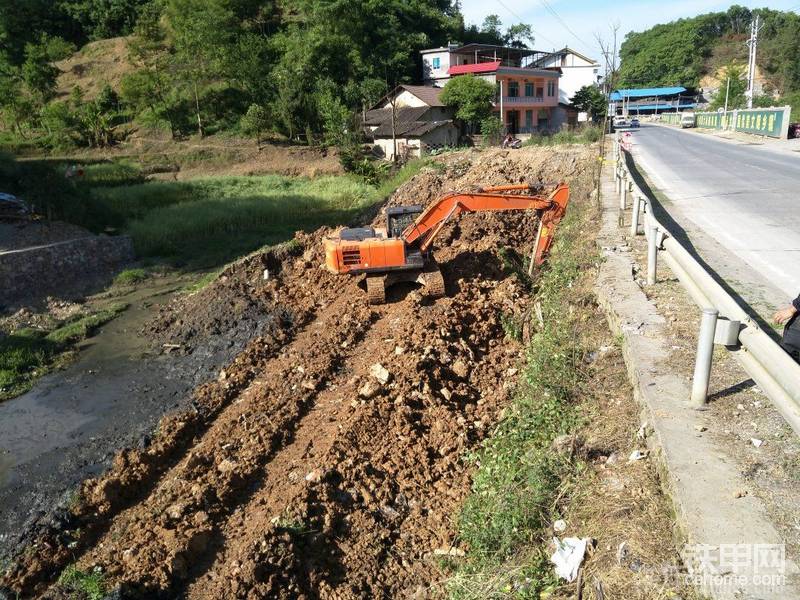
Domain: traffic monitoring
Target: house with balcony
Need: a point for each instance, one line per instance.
(527, 96)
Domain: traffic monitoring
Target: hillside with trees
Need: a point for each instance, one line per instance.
(302, 69)
(685, 51)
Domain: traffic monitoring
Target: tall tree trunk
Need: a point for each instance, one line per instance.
(197, 110)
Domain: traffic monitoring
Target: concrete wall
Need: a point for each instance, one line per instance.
(34, 273)
(431, 76)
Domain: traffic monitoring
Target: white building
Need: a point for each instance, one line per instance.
(577, 71)
(417, 124)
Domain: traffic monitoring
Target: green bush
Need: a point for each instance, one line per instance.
(130, 277)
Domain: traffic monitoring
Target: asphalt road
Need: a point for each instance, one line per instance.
(739, 205)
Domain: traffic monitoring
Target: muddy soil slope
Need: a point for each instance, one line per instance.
(328, 459)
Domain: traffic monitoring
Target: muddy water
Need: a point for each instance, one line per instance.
(69, 426)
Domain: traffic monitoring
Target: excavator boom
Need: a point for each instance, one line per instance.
(428, 225)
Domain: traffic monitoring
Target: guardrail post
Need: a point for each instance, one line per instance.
(652, 255)
(637, 203)
(617, 178)
(623, 191)
(705, 351)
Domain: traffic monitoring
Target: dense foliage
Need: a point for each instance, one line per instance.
(681, 52)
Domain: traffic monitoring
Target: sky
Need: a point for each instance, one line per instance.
(579, 20)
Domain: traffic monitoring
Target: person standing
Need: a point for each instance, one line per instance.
(790, 315)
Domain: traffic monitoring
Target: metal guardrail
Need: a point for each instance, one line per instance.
(724, 321)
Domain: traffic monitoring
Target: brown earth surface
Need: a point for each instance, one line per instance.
(93, 66)
(327, 459)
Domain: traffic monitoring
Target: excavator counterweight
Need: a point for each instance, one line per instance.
(403, 250)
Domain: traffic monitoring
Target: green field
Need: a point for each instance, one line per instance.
(196, 224)
(205, 222)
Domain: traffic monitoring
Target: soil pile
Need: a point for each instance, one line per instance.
(328, 460)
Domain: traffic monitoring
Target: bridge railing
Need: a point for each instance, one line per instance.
(724, 321)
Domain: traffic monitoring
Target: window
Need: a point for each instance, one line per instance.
(513, 89)
(529, 119)
(529, 89)
(437, 63)
(539, 92)
(551, 88)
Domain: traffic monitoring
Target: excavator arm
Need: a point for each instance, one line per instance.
(428, 225)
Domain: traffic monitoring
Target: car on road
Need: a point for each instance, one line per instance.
(12, 207)
(635, 123)
(687, 120)
(620, 123)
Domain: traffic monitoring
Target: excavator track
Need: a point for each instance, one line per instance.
(376, 289)
(434, 283)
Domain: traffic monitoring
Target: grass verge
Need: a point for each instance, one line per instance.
(519, 478)
(560, 453)
(26, 354)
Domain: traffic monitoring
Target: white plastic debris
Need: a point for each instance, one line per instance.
(560, 526)
(568, 556)
(756, 442)
(637, 455)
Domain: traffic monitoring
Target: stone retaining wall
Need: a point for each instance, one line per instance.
(73, 266)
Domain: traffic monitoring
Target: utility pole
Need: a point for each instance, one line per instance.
(727, 91)
(751, 64)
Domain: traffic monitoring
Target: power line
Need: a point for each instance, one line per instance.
(521, 20)
(553, 12)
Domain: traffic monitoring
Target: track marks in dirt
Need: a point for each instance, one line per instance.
(164, 538)
(357, 504)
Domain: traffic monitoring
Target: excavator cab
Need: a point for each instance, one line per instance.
(398, 218)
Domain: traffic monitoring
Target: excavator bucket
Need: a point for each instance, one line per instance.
(549, 220)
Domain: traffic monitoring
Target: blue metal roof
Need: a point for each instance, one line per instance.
(636, 107)
(646, 92)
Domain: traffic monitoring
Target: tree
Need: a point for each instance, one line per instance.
(736, 93)
(38, 71)
(520, 36)
(471, 97)
(104, 18)
(201, 29)
(589, 99)
(255, 122)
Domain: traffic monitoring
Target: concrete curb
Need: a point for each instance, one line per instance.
(702, 482)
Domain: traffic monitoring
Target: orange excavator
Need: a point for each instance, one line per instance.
(402, 251)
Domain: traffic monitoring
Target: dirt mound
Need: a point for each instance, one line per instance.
(328, 459)
(466, 171)
(95, 65)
